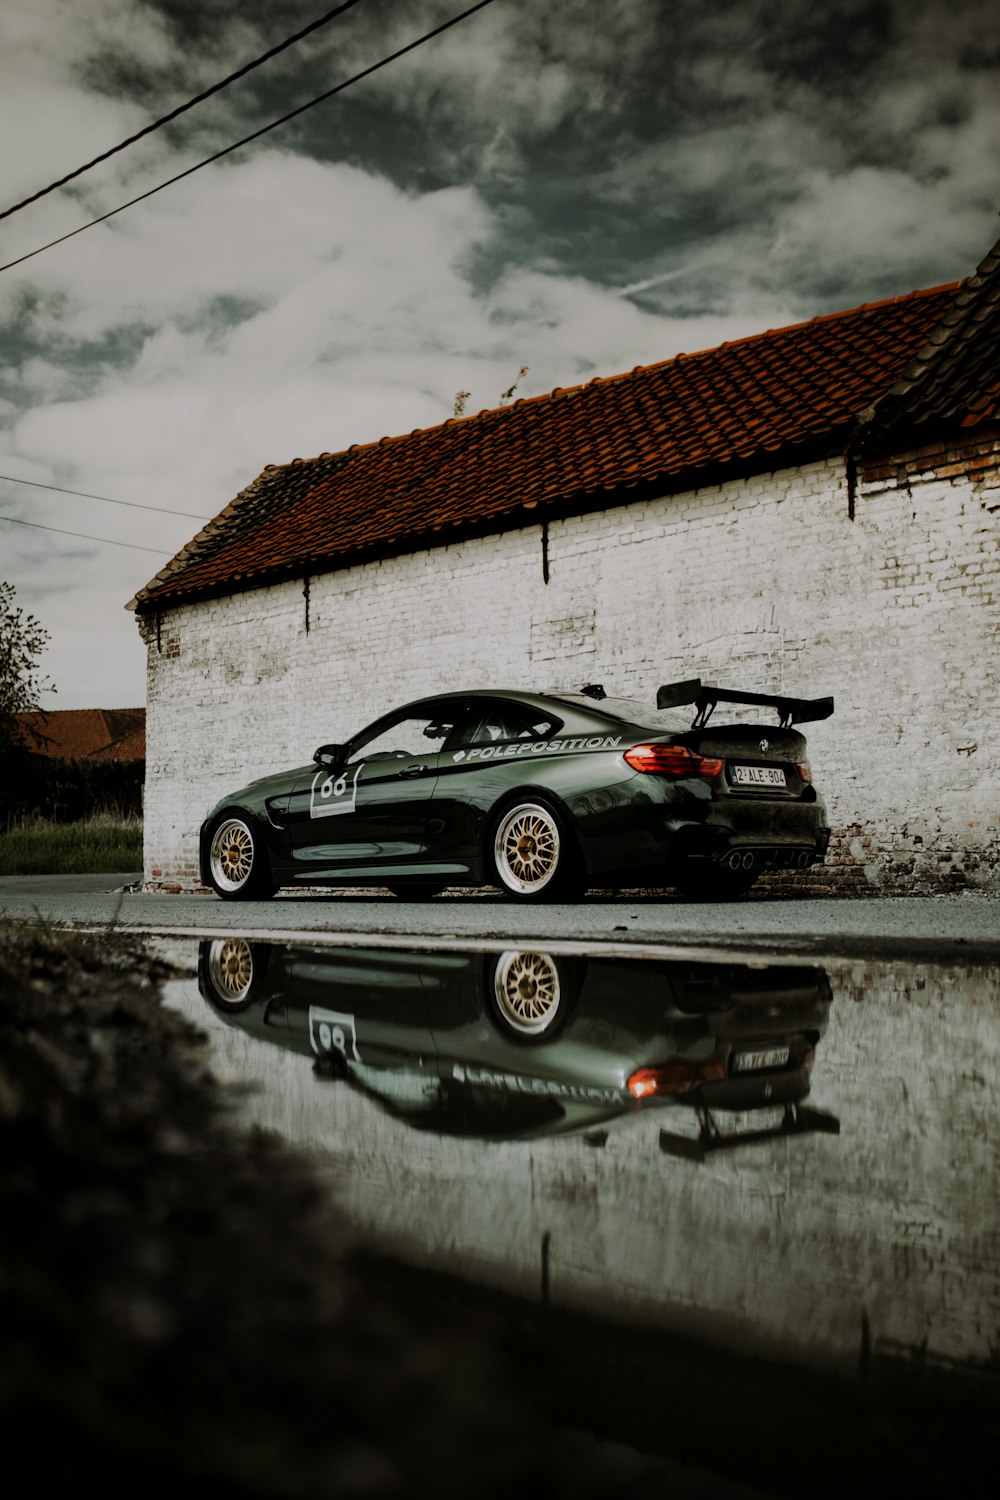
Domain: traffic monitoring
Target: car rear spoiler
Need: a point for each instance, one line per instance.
(704, 697)
(797, 1119)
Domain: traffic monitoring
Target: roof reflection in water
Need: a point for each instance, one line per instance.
(523, 1043)
(453, 1100)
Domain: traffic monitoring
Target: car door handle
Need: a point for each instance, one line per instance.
(413, 771)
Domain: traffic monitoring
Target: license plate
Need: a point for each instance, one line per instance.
(767, 1057)
(758, 776)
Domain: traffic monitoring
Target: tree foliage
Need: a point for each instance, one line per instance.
(22, 641)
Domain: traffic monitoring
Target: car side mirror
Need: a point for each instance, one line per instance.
(328, 755)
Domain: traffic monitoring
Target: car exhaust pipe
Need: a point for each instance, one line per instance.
(804, 860)
(734, 860)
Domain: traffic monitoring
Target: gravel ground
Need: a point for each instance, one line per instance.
(180, 1303)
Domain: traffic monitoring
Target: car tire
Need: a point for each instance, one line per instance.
(238, 866)
(231, 972)
(530, 993)
(703, 880)
(532, 856)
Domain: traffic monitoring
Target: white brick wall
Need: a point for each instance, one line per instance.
(765, 583)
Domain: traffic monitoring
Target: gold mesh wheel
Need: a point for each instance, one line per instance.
(526, 987)
(231, 856)
(527, 849)
(230, 968)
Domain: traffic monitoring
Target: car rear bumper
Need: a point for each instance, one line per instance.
(762, 836)
(755, 1092)
(656, 825)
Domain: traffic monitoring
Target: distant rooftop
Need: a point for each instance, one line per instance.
(85, 733)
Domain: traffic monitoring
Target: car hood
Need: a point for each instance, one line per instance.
(255, 793)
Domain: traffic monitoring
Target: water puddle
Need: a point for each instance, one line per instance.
(778, 1158)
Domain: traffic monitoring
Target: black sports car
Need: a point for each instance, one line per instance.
(522, 1043)
(541, 794)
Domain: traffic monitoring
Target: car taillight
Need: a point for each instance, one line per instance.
(674, 1078)
(804, 772)
(671, 760)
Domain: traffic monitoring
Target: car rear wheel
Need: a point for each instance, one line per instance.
(533, 857)
(704, 880)
(238, 866)
(532, 993)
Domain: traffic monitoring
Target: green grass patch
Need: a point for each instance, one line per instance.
(98, 845)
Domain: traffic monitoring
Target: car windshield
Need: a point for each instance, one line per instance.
(632, 711)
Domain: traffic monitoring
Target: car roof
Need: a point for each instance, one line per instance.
(535, 697)
(580, 705)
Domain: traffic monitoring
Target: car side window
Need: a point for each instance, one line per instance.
(498, 721)
(411, 735)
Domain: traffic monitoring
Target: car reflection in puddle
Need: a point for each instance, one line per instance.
(523, 1043)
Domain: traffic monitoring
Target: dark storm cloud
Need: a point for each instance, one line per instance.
(630, 140)
(577, 187)
(624, 140)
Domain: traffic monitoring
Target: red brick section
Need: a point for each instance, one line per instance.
(86, 733)
(977, 461)
(752, 405)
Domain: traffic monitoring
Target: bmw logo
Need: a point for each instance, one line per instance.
(765, 746)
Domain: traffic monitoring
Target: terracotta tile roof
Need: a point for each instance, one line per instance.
(752, 405)
(955, 375)
(131, 746)
(86, 733)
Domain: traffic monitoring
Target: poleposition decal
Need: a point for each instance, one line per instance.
(514, 749)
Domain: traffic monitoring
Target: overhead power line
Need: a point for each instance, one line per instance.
(132, 504)
(181, 109)
(256, 135)
(84, 537)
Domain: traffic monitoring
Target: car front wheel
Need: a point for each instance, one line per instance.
(533, 857)
(231, 971)
(238, 866)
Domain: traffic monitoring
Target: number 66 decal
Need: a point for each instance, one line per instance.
(333, 793)
(332, 1031)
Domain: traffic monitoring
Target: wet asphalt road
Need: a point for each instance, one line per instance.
(963, 927)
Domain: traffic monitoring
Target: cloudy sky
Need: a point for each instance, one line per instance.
(576, 186)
